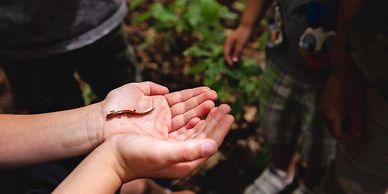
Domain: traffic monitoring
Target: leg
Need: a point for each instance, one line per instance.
(280, 112)
(280, 120)
(318, 147)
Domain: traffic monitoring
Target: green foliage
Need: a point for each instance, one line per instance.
(87, 94)
(134, 4)
(201, 21)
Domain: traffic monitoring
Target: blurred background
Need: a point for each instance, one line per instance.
(179, 44)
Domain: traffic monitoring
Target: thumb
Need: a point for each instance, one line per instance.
(151, 88)
(185, 151)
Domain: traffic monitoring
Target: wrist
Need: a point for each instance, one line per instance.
(118, 164)
(95, 123)
(245, 27)
(97, 173)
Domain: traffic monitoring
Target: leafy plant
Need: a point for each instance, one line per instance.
(197, 27)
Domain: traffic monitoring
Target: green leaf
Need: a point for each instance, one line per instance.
(134, 4)
(210, 10)
(224, 94)
(217, 50)
(196, 52)
(161, 14)
(143, 17)
(228, 15)
(262, 41)
(193, 15)
(197, 69)
(214, 70)
(237, 107)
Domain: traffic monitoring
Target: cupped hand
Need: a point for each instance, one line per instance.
(235, 43)
(176, 156)
(170, 111)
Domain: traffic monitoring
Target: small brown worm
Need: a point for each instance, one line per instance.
(118, 114)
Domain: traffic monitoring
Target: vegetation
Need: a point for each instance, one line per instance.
(179, 43)
(195, 30)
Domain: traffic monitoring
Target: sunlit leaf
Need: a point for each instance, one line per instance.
(197, 52)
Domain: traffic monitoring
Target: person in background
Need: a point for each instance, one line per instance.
(139, 130)
(44, 44)
(300, 36)
(355, 100)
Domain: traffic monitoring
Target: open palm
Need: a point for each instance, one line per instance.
(171, 111)
(180, 153)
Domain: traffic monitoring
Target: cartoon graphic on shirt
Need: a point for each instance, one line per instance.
(314, 45)
(274, 27)
(319, 35)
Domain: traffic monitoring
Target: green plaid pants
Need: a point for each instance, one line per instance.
(289, 110)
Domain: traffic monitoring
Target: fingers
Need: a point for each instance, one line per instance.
(193, 102)
(151, 88)
(357, 120)
(215, 116)
(184, 151)
(334, 123)
(183, 95)
(222, 128)
(191, 124)
(237, 51)
(216, 125)
(185, 156)
(199, 111)
(186, 132)
(229, 44)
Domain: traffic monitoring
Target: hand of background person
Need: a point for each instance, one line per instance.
(235, 43)
(343, 100)
(171, 110)
(125, 157)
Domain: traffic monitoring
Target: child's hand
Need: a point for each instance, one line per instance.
(170, 111)
(235, 43)
(175, 156)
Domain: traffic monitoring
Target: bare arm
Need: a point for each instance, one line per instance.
(254, 11)
(343, 97)
(126, 157)
(347, 10)
(32, 139)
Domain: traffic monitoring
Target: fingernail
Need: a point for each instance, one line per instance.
(235, 59)
(208, 148)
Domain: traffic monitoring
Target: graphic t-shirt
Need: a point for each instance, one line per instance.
(301, 34)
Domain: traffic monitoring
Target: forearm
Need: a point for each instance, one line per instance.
(254, 11)
(347, 10)
(33, 139)
(97, 173)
